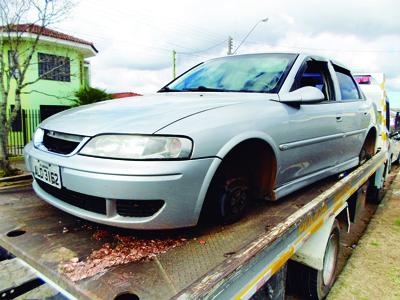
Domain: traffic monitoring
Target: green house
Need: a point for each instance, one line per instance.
(58, 69)
(55, 86)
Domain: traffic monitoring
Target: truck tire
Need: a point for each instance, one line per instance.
(274, 288)
(374, 194)
(390, 162)
(312, 283)
(4, 254)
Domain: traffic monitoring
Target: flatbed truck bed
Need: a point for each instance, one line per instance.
(216, 262)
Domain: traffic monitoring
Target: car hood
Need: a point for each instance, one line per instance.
(143, 115)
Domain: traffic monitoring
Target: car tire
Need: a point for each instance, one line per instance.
(312, 283)
(364, 155)
(232, 200)
(227, 197)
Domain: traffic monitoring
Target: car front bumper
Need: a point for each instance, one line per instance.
(182, 185)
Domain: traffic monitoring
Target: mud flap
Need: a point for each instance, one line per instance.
(312, 252)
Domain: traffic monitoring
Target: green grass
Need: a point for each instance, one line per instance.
(397, 222)
(376, 244)
(16, 158)
(12, 172)
(394, 276)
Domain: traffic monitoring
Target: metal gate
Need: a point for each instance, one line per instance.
(22, 130)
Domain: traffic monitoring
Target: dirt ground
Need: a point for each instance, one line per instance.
(373, 270)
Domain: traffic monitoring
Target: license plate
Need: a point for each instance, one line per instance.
(47, 172)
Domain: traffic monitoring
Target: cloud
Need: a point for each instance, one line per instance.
(136, 39)
(393, 83)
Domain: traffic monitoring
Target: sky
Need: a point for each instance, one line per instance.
(135, 39)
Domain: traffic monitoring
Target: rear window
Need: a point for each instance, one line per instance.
(348, 87)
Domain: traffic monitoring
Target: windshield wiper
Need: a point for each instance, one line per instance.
(167, 89)
(202, 88)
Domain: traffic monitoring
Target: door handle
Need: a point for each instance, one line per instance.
(339, 118)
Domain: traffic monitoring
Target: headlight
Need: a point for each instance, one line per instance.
(38, 137)
(138, 147)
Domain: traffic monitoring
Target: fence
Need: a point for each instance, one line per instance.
(22, 130)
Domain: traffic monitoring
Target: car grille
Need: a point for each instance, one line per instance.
(86, 202)
(138, 208)
(60, 143)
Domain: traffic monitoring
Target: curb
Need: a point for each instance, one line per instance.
(24, 176)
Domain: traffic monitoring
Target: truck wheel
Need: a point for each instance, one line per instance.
(312, 283)
(374, 194)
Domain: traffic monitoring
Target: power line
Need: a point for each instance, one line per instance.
(178, 26)
(206, 49)
(332, 50)
(173, 44)
(107, 39)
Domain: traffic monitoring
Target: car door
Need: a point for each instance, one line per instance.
(310, 144)
(355, 115)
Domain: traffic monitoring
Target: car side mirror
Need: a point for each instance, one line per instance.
(307, 94)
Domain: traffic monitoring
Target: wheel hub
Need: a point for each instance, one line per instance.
(238, 199)
(330, 261)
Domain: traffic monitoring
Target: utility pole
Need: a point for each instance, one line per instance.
(230, 45)
(173, 64)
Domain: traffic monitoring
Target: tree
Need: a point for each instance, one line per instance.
(16, 58)
(88, 95)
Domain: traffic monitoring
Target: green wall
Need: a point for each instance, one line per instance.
(50, 92)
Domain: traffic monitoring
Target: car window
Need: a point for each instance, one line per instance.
(263, 73)
(315, 74)
(313, 79)
(348, 87)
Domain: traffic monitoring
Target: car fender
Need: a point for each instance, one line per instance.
(236, 140)
(225, 149)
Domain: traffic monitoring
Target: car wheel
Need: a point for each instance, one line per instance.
(312, 283)
(364, 155)
(232, 200)
(227, 197)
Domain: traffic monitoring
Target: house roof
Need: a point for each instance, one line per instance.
(124, 95)
(36, 29)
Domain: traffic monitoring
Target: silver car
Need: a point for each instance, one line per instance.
(231, 129)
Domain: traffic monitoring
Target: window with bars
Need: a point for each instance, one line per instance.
(53, 67)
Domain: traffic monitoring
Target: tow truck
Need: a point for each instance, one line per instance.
(295, 240)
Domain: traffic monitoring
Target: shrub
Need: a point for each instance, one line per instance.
(88, 95)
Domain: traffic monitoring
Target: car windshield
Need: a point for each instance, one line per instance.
(257, 73)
